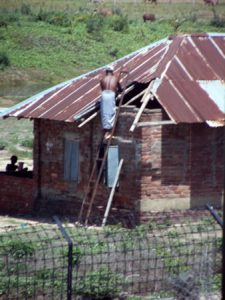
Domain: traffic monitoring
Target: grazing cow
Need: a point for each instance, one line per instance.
(151, 1)
(96, 1)
(211, 2)
(105, 12)
(148, 17)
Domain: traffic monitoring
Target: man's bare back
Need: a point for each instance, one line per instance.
(110, 85)
(110, 82)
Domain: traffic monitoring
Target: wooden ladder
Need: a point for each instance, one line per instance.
(98, 166)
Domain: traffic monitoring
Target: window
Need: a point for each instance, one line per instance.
(112, 164)
(71, 160)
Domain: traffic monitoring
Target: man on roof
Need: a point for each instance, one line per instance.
(110, 86)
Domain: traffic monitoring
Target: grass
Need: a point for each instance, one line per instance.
(17, 141)
(44, 43)
(50, 30)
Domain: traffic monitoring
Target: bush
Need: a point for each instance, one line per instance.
(114, 52)
(25, 9)
(4, 60)
(11, 17)
(2, 146)
(59, 19)
(117, 11)
(94, 24)
(119, 23)
(18, 248)
(81, 18)
(27, 143)
(6, 18)
(217, 21)
(3, 23)
(55, 18)
(177, 22)
(42, 15)
(99, 284)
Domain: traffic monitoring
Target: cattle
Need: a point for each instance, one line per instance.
(96, 1)
(105, 12)
(148, 17)
(151, 1)
(211, 2)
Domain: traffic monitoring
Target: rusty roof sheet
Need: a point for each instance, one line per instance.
(179, 65)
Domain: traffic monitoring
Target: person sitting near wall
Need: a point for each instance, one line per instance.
(21, 169)
(14, 169)
(10, 168)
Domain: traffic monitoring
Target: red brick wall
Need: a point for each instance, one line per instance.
(207, 164)
(55, 194)
(165, 167)
(16, 195)
(182, 166)
(60, 196)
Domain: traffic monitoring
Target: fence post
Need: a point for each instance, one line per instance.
(70, 256)
(223, 246)
(215, 215)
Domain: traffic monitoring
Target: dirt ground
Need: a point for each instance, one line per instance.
(6, 221)
(9, 221)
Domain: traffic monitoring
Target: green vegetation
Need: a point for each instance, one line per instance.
(105, 262)
(17, 140)
(217, 20)
(42, 44)
(99, 284)
(78, 38)
(17, 248)
(4, 60)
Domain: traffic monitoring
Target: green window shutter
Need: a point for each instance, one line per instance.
(71, 160)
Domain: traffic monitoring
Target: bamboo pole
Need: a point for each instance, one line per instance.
(112, 193)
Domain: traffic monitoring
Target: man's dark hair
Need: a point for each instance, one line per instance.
(13, 158)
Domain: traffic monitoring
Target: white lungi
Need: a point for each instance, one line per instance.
(108, 109)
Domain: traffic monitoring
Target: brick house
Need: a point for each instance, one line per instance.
(170, 134)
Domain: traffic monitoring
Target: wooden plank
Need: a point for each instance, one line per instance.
(155, 123)
(112, 193)
(144, 104)
(88, 119)
(145, 100)
(134, 98)
(127, 90)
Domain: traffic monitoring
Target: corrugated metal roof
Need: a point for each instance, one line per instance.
(188, 68)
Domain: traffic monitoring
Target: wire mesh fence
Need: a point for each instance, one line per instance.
(161, 259)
